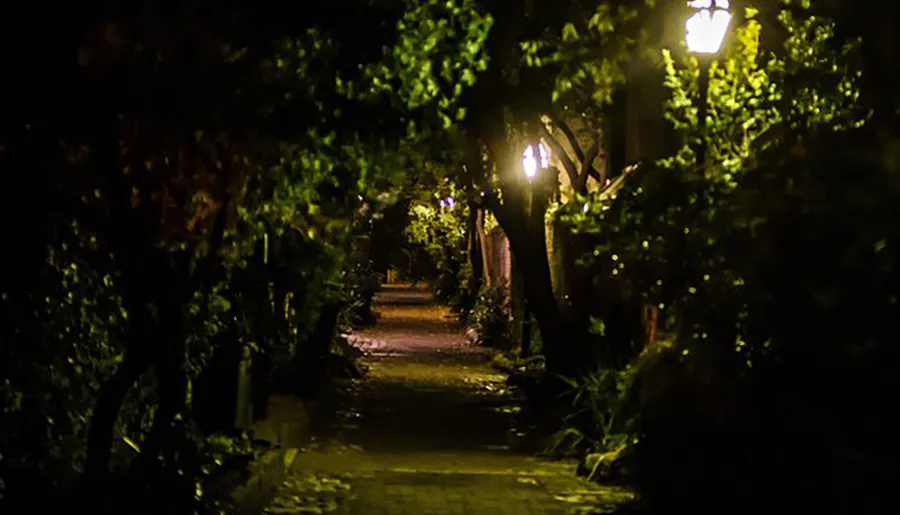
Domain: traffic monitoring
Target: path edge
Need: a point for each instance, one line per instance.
(267, 472)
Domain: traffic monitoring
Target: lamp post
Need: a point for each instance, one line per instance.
(531, 164)
(705, 31)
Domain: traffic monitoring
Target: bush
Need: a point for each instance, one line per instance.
(53, 362)
(446, 285)
(490, 317)
(599, 418)
(361, 285)
(466, 295)
(773, 267)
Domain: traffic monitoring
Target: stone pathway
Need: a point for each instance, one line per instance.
(429, 431)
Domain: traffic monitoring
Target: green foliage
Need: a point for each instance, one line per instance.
(438, 53)
(466, 296)
(490, 222)
(249, 165)
(360, 286)
(51, 380)
(828, 94)
(490, 316)
(744, 101)
(590, 52)
(669, 211)
(747, 257)
(754, 95)
(746, 116)
(678, 238)
(598, 418)
(438, 226)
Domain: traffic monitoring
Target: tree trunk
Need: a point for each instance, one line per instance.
(169, 363)
(103, 419)
(484, 248)
(265, 333)
(323, 333)
(564, 340)
(521, 213)
(142, 339)
(284, 299)
(125, 236)
(473, 250)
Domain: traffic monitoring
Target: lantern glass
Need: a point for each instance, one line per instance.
(706, 28)
(530, 162)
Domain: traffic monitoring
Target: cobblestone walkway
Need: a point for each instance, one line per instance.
(429, 431)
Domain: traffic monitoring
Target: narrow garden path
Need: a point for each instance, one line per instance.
(428, 431)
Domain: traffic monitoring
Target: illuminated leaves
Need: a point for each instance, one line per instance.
(752, 92)
(413, 81)
(682, 238)
(743, 100)
(590, 51)
(569, 33)
(438, 52)
(438, 226)
(829, 92)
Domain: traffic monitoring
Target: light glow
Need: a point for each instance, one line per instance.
(707, 27)
(530, 164)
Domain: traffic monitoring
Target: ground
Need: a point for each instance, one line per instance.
(429, 431)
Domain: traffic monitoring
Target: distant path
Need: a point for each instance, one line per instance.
(428, 431)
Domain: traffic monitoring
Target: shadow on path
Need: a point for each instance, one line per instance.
(429, 430)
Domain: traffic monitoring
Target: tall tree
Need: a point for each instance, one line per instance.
(544, 57)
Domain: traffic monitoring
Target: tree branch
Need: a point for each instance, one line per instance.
(573, 141)
(571, 169)
(610, 192)
(587, 166)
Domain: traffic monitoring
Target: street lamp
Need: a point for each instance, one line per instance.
(531, 163)
(705, 31)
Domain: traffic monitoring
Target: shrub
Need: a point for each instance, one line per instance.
(599, 418)
(361, 285)
(490, 317)
(466, 295)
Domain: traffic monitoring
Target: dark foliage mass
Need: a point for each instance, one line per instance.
(190, 189)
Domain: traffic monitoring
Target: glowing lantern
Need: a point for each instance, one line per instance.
(530, 163)
(706, 28)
